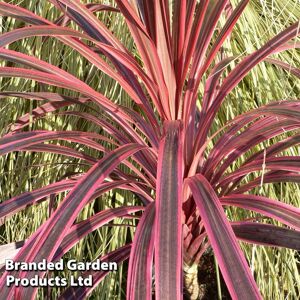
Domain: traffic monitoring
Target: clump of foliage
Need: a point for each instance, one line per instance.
(179, 169)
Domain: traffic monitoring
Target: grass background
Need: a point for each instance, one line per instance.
(276, 270)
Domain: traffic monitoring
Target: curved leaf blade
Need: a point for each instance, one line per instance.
(51, 236)
(139, 279)
(282, 212)
(231, 260)
(117, 256)
(266, 234)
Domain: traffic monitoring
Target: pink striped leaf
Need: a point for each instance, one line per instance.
(40, 96)
(149, 54)
(276, 148)
(193, 30)
(127, 81)
(277, 210)
(93, 7)
(59, 81)
(91, 160)
(94, 28)
(75, 85)
(79, 230)
(79, 13)
(15, 11)
(26, 140)
(250, 61)
(41, 111)
(116, 134)
(226, 31)
(51, 236)
(17, 203)
(164, 51)
(267, 235)
(222, 141)
(47, 30)
(81, 293)
(67, 151)
(290, 110)
(21, 140)
(269, 177)
(71, 238)
(178, 36)
(215, 8)
(285, 163)
(209, 23)
(168, 227)
(139, 279)
(277, 115)
(293, 70)
(211, 84)
(146, 11)
(249, 138)
(241, 70)
(231, 260)
(122, 135)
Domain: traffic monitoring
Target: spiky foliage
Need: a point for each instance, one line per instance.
(164, 140)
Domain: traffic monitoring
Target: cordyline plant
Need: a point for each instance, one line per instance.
(183, 182)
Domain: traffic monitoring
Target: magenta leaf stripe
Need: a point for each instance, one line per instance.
(231, 260)
(168, 252)
(19, 202)
(139, 279)
(51, 236)
(80, 293)
(83, 228)
(266, 234)
(277, 210)
(172, 70)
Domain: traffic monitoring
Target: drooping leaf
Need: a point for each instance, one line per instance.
(168, 227)
(15, 204)
(230, 258)
(51, 236)
(139, 279)
(266, 234)
(269, 177)
(277, 210)
(117, 256)
(79, 230)
(240, 71)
